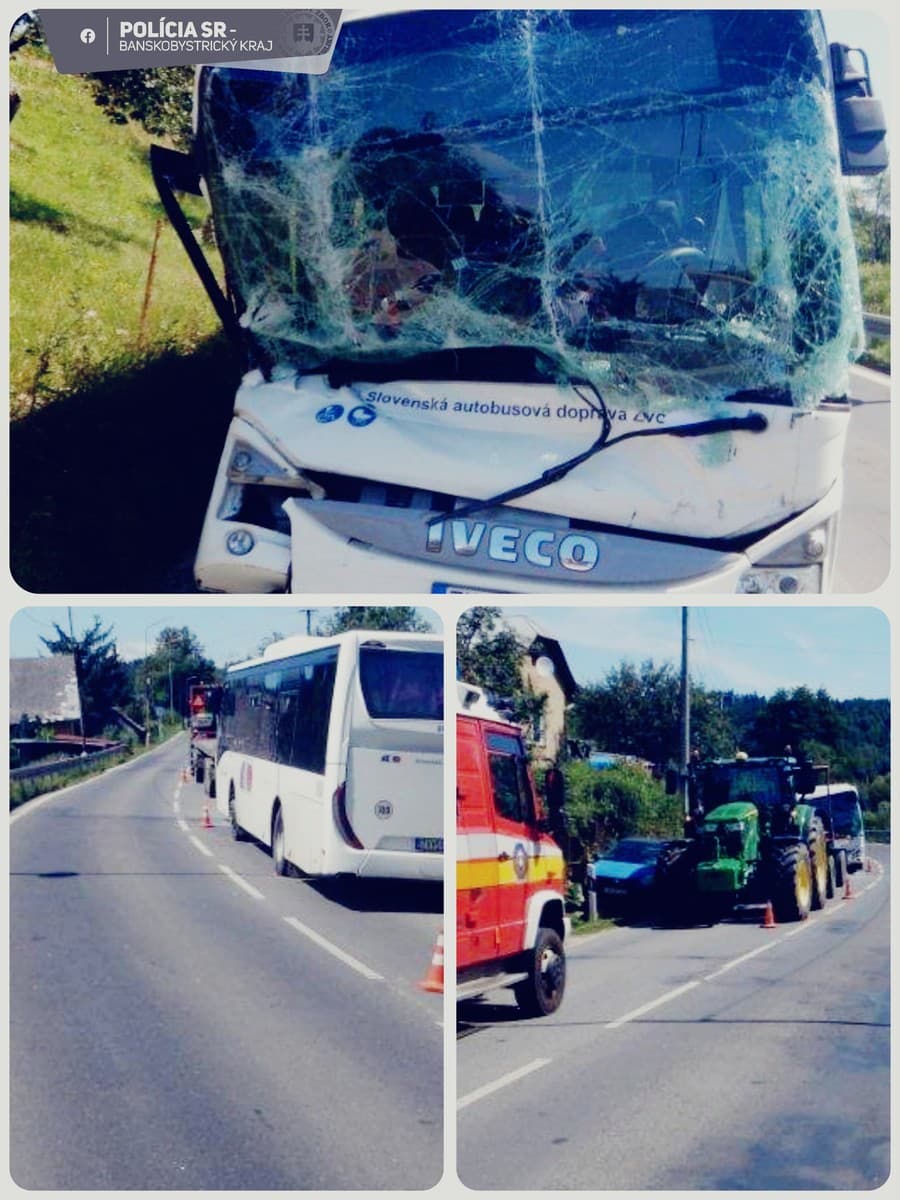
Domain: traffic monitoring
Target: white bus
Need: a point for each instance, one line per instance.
(331, 754)
(839, 804)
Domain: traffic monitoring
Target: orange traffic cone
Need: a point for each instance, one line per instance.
(868, 865)
(848, 890)
(434, 976)
(768, 921)
(206, 823)
(185, 775)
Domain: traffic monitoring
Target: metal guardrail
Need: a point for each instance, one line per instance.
(877, 324)
(65, 766)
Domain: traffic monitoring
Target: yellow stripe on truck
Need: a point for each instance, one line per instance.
(488, 872)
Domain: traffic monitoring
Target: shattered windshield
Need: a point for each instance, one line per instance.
(643, 198)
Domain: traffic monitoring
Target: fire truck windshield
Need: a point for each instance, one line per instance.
(650, 199)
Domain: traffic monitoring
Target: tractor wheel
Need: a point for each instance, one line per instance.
(792, 885)
(674, 884)
(818, 861)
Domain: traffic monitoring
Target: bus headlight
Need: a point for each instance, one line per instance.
(796, 567)
(784, 581)
(240, 542)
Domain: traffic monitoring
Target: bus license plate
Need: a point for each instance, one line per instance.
(430, 845)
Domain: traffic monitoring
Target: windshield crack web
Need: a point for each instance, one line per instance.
(646, 200)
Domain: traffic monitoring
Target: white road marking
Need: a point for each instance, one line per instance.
(203, 849)
(743, 958)
(182, 824)
(503, 1081)
(241, 882)
(645, 1008)
(175, 805)
(344, 957)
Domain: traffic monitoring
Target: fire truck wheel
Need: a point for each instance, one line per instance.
(282, 866)
(236, 831)
(542, 992)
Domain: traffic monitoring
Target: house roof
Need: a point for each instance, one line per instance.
(537, 639)
(44, 687)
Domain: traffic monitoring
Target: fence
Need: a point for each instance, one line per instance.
(66, 766)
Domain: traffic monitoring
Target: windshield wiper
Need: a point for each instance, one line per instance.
(751, 423)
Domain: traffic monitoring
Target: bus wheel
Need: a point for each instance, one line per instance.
(236, 831)
(282, 867)
(542, 992)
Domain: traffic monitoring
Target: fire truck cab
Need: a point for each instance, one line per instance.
(511, 875)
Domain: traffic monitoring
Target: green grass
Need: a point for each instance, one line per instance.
(83, 216)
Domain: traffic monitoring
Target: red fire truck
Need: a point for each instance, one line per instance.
(511, 875)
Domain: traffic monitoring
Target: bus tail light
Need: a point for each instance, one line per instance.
(339, 808)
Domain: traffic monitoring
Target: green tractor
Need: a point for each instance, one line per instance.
(749, 839)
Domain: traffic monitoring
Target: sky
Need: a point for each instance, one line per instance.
(743, 647)
(748, 649)
(227, 633)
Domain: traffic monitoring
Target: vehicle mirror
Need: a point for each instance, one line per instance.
(860, 117)
(806, 779)
(673, 781)
(554, 790)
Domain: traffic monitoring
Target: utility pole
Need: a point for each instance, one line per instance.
(78, 685)
(685, 713)
(309, 612)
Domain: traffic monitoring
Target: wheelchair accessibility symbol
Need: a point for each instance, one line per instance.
(361, 416)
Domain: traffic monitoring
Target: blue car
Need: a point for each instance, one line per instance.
(623, 876)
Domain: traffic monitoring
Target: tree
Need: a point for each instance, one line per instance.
(162, 677)
(490, 656)
(102, 677)
(797, 719)
(634, 711)
(159, 98)
(402, 618)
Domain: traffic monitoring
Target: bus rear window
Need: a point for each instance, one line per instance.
(402, 683)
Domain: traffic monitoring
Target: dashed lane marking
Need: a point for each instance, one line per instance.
(203, 849)
(645, 1008)
(330, 947)
(504, 1081)
(241, 882)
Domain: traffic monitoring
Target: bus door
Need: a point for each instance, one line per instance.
(304, 715)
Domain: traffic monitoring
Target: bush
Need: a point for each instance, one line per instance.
(604, 806)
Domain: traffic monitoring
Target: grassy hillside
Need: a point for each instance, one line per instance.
(83, 212)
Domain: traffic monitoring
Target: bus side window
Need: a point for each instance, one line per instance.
(305, 713)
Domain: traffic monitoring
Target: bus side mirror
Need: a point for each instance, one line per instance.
(860, 117)
(673, 781)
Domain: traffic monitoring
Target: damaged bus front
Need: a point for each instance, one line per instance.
(536, 301)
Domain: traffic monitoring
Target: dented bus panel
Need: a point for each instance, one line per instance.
(555, 301)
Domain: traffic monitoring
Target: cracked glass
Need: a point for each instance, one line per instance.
(647, 200)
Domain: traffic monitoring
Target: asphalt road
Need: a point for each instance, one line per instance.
(183, 1018)
(863, 556)
(731, 1057)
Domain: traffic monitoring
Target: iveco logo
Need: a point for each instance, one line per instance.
(510, 544)
(384, 809)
